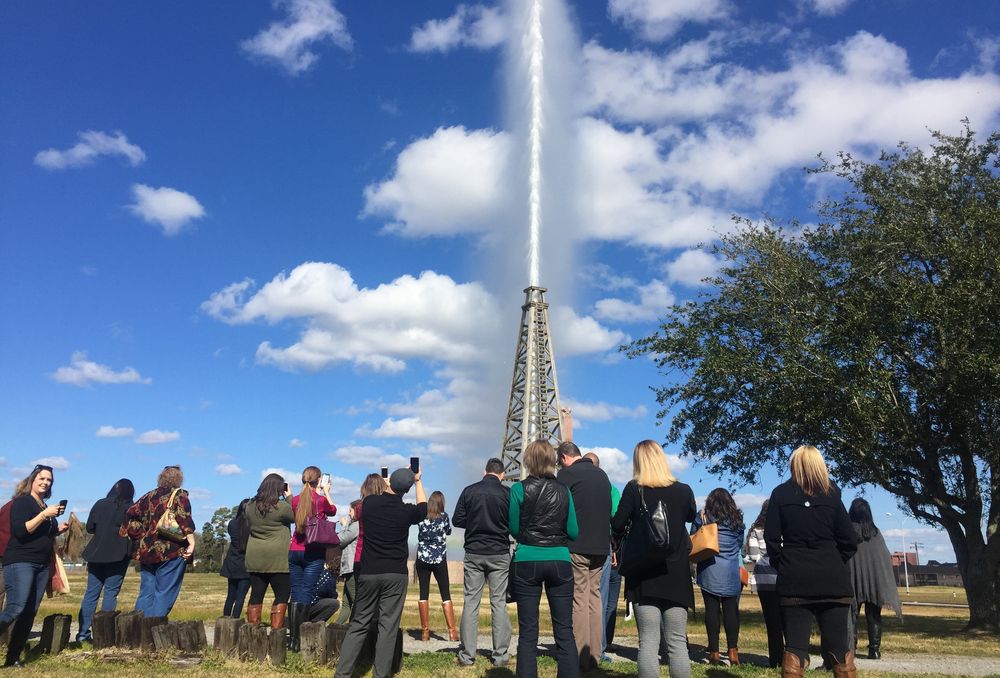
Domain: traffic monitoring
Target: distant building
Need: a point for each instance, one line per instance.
(897, 559)
(931, 574)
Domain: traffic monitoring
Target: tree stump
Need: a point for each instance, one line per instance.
(103, 629)
(227, 635)
(335, 634)
(164, 637)
(55, 633)
(146, 639)
(128, 629)
(253, 643)
(312, 642)
(191, 636)
(278, 641)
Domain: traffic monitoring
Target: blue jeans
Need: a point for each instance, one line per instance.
(25, 584)
(557, 577)
(159, 585)
(304, 569)
(106, 576)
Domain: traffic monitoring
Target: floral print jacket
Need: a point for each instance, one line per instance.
(140, 525)
(431, 539)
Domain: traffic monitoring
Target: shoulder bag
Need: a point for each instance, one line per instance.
(647, 541)
(167, 526)
(704, 542)
(320, 531)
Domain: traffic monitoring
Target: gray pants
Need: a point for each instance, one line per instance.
(674, 624)
(380, 597)
(478, 571)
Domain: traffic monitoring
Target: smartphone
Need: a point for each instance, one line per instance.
(286, 487)
(385, 471)
(62, 506)
(415, 464)
(325, 482)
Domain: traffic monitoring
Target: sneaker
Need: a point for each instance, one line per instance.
(459, 662)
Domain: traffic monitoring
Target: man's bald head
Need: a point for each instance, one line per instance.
(594, 458)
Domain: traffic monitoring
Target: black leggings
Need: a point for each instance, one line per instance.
(730, 612)
(278, 581)
(236, 593)
(440, 572)
(770, 605)
(832, 618)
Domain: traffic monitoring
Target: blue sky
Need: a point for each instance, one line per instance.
(242, 236)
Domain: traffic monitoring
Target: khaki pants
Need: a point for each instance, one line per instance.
(588, 613)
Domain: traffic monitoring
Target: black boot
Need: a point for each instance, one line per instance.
(873, 616)
(297, 613)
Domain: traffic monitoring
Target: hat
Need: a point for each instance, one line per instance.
(401, 480)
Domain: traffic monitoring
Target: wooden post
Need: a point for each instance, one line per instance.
(103, 629)
(55, 633)
(128, 629)
(164, 637)
(191, 636)
(227, 635)
(253, 643)
(312, 642)
(146, 629)
(278, 646)
(334, 640)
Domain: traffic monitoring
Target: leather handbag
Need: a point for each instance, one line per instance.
(704, 542)
(321, 532)
(167, 526)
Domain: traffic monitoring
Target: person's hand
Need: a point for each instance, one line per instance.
(188, 552)
(51, 511)
(416, 476)
(288, 493)
(614, 559)
(63, 527)
(344, 520)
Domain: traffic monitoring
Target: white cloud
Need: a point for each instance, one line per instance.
(691, 267)
(114, 432)
(659, 19)
(199, 494)
(574, 335)
(171, 209)
(58, 463)
(290, 43)
(228, 470)
(157, 437)
(473, 26)
(83, 372)
(370, 456)
(618, 464)
(92, 144)
(451, 182)
(374, 328)
(293, 478)
(295, 442)
(827, 7)
(602, 411)
(654, 298)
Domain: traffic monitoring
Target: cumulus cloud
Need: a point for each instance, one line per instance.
(370, 456)
(83, 372)
(374, 328)
(618, 464)
(228, 470)
(691, 267)
(474, 26)
(58, 463)
(827, 7)
(169, 208)
(92, 144)
(114, 432)
(290, 43)
(602, 411)
(293, 478)
(653, 299)
(295, 442)
(157, 437)
(660, 19)
(573, 334)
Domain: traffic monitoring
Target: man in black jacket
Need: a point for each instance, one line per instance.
(482, 511)
(591, 492)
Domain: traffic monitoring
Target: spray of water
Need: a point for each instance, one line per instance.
(536, 70)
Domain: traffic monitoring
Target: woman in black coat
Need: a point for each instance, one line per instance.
(657, 581)
(234, 567)
(809, 539)
(107, 554)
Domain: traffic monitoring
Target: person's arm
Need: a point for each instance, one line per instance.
(92, 520)
(847, 538)
(514, 510)
(772, 530)
(459, 518)
(447, 524)
(349, 533)
(419, 489)
(572, 527)
(23, 523)
(624, 511)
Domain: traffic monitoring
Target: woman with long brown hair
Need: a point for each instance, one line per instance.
(268, 517)
(305, 561)
(719, 576)
(432, 558)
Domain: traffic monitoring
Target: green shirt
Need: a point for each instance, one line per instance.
(267, 548)
(528, 553)
(616, 497)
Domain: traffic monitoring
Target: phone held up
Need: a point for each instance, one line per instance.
(325, 482)
(385, 471)
(62, 506)
(415, 464)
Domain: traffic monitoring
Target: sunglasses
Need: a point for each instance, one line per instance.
(42, 467)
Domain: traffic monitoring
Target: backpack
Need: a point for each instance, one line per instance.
(5, 526)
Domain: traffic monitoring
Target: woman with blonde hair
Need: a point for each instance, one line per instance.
(432, 558)
(305, 561)
(657, 578)
(542, 519)
(372, 484)
(810, 540)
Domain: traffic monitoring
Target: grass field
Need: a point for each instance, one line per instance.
(925, 630)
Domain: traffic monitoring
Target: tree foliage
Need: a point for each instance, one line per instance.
(875, 335)
(213, 542)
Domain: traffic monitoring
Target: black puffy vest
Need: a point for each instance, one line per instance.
(544, 512)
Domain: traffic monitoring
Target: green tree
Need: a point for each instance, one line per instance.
(213, 542)
(874, 335)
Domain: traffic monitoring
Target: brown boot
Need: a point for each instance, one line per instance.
(425, 619)
(253, 614)
(734, 656)
(278, 611)
(449, 617)
(715, 658)
(847, 668)
(792, 666)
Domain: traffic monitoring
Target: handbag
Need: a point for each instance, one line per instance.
(744, 576)
(647, 542)
(167, 526)
(321, 532)
(704, 542)
(657, 522)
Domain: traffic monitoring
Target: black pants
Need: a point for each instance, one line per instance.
(557, 577)
(770, 605)
(729, 607)
(873, 620)
(278, 581)
(440, 572)
(236, 593)
(832, 619)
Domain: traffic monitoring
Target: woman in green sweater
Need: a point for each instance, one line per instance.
(269, 515)
(543, 521)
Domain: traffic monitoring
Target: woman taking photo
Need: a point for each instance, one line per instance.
(432, 558)
(763, 581)
(162, 555)
(372, 484)
(657, 581)
(872, 577)
(542, 519)
(349, 543)
(26, 562)
(809, 540)
(107, 554)
(234, 567)
(269, 516)
(719, 576)
(305, 561)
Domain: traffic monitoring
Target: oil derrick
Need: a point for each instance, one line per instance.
(533, 412)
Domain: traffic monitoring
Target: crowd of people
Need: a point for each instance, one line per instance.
(563, 528)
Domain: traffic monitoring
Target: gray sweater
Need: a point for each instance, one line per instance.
(349, 543)
(872, 576)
